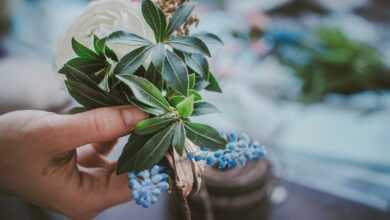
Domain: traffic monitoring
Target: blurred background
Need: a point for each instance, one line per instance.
(308, 78)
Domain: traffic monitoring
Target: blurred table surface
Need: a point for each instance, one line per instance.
(307, 204)
(302, 203)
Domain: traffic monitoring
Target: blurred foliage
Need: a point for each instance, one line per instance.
(328, 61)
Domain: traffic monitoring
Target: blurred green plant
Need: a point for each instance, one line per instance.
(328, 61)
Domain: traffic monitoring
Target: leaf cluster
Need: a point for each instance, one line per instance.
(334, 63)
(162, 77)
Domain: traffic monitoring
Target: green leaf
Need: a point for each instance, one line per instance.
(201, 83)
(126, 162)
(174, 72)
(75, 74)
(208, 38)
(180, 17)
(122, 37)
(198, 64)
(105, 83)
(87, 96)
(186, 107)
(191, 45)
(146, 108)
(111, 54)
(154, 77)
(99, 45)
(84, 65)
(175, 100)
(214, 85)
(192, 81)
(204, 108)
(158, 55)
(179, 138)
(196, 95)
(103, 50)
(155, 149)
(204, 136)
(156, 19)
(146, 92)
(132, 61)
(83, 51)
(153, 125)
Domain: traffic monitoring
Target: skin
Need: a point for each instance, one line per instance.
(59, 161)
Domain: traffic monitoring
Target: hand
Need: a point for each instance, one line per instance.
(39, 161)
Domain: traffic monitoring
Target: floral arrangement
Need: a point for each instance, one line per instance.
(122, 52)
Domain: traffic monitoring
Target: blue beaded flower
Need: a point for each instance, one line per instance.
(148, 185)
(239, 150)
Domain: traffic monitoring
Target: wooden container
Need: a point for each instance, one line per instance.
(238, 194)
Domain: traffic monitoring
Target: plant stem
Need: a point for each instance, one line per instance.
(184, 205)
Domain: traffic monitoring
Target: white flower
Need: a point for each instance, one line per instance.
(101, 18)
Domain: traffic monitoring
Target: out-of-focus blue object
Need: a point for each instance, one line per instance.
(37, 24)
(284, 37)
(286, 42)
(240, 150)
(148, 185)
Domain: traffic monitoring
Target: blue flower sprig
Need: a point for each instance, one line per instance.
(148, 185)
(239, 150)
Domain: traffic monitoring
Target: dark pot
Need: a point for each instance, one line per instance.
(241, 193)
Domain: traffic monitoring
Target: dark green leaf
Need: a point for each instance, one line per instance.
(180, 17)
(155, 149)
(153, 125)
(158, 55)
(204, 108)
(179, 138)
(99, 45)
(83, 51)
(154, 77)
(126, 162)
(105, 83)
(122, 37)
(80, 77)
(208, 38)
(196, 95)
(214, 85)
(111, 54)
(204, 136)
(175, 100)
(132, 61)
(192, 81)
(186, 107)
(73, 73)
(190, 45)
(87, 96)
(156, 19)
(175, 73)
(84, 65)
(146, 92)
(198, 64)
(146, 108)
(201, 83)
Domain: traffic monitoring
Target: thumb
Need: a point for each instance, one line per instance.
(100, 125)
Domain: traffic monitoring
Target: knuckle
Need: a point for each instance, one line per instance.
(107, 122)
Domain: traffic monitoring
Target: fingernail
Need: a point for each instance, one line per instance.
(132, 116)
